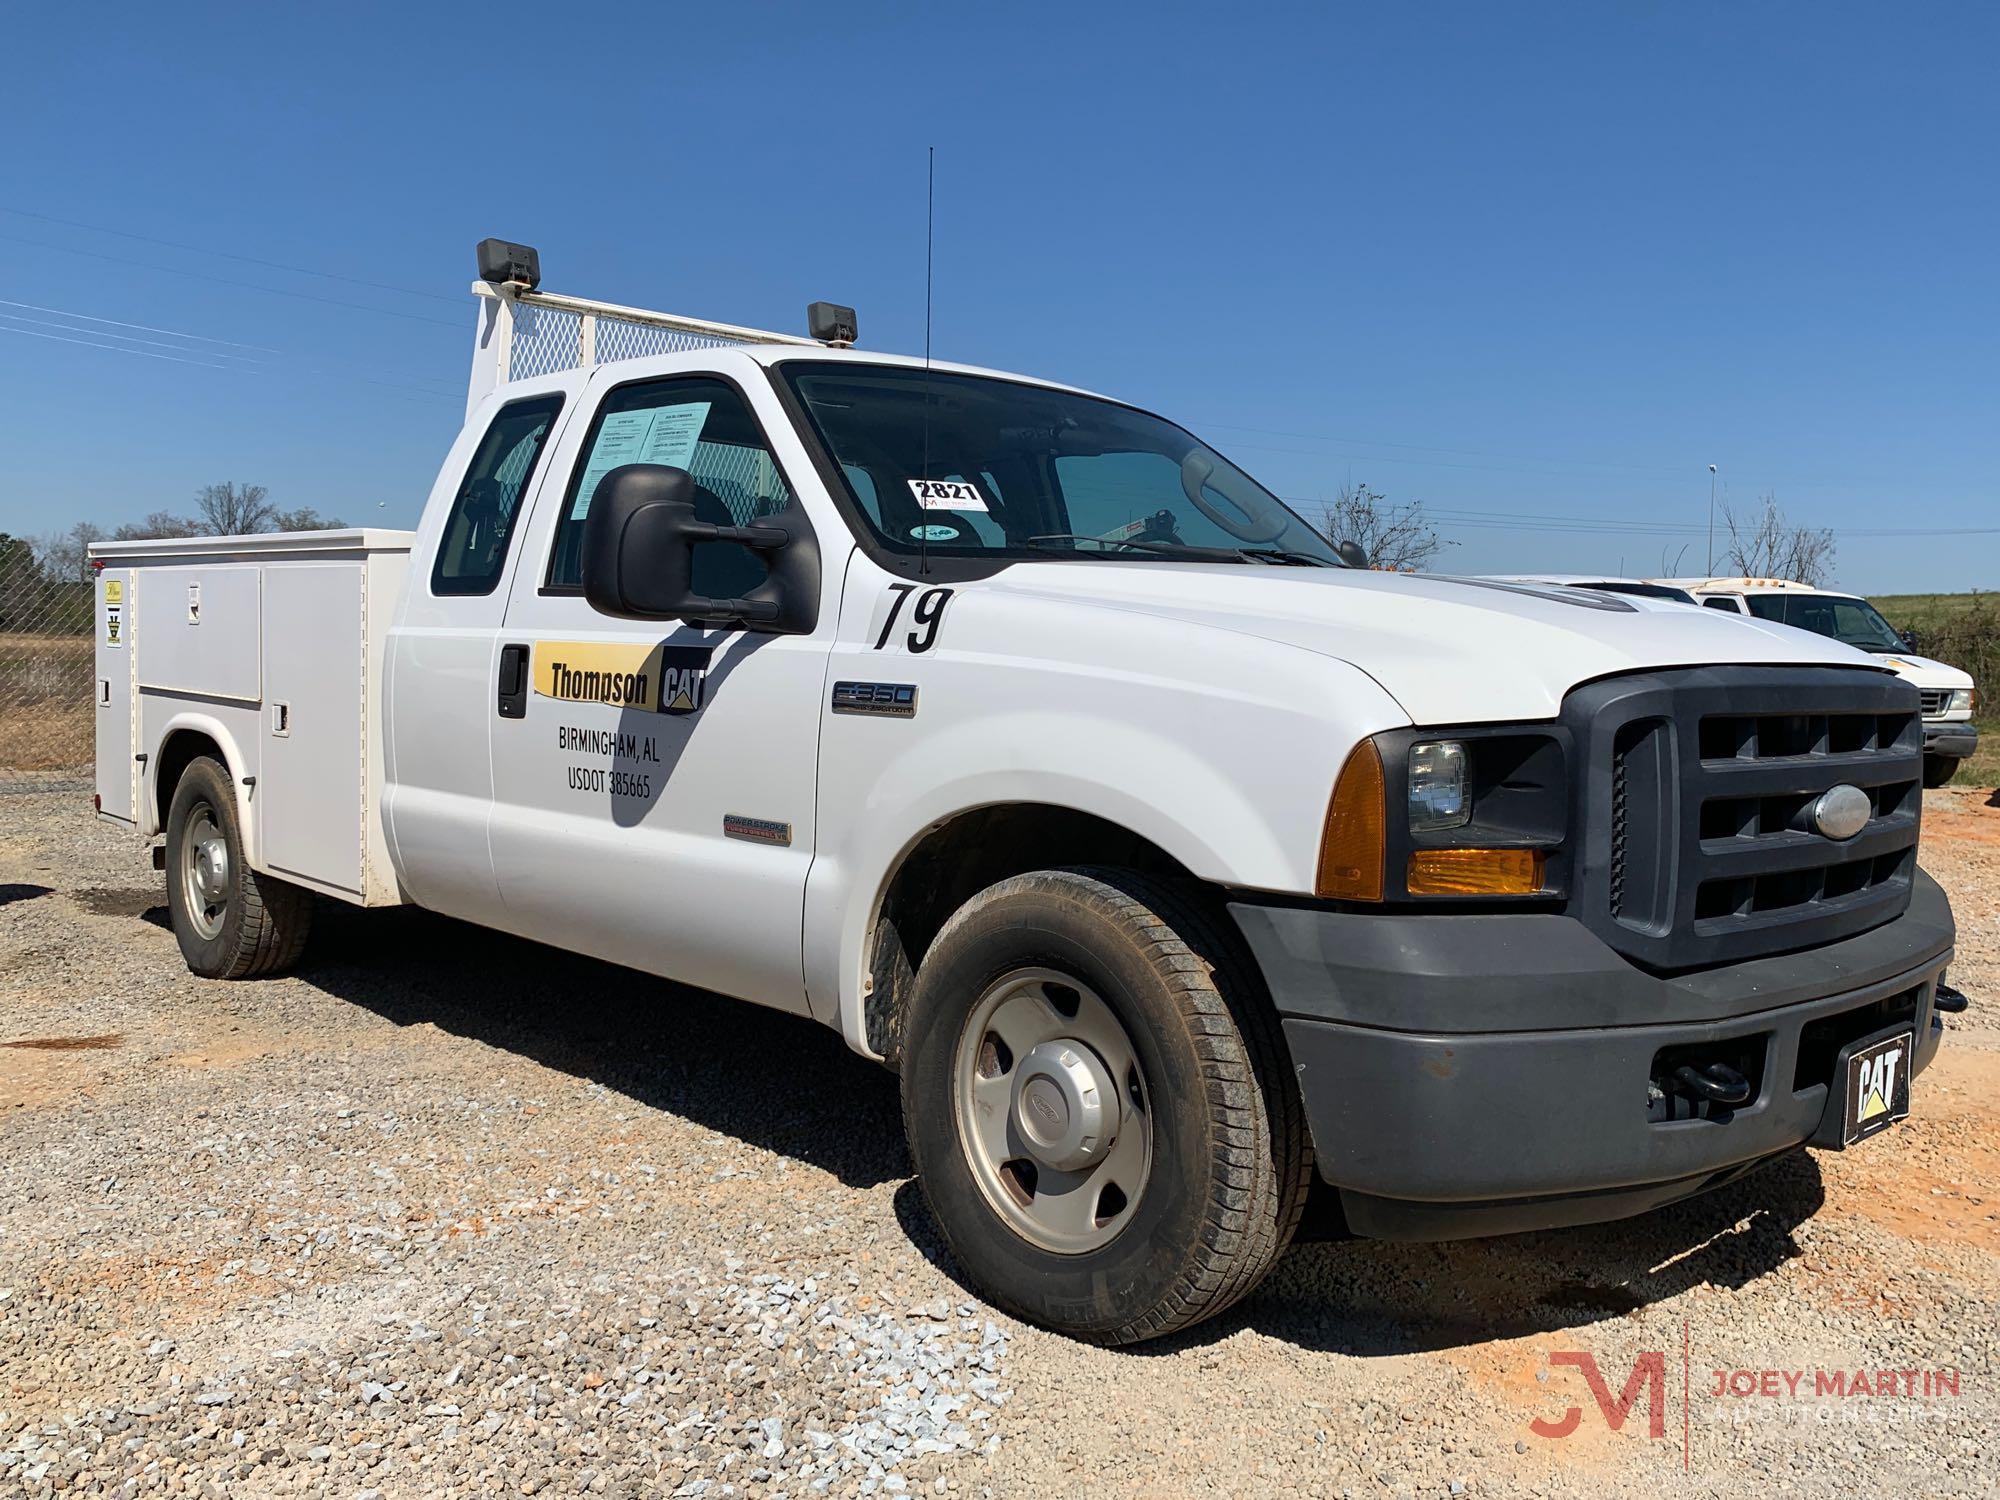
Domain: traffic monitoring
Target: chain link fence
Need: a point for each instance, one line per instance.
(46, 680)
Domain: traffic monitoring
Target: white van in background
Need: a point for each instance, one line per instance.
(1949, 735)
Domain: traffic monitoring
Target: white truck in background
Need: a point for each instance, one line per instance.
(1946, 692)
(1178, 867)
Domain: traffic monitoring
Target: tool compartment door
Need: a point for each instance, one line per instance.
(310, 819)
(116, 769)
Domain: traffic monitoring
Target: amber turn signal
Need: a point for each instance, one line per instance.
(1352, 844)
(1476, 872)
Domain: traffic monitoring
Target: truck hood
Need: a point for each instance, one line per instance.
(1924, 671)
(1449, 650)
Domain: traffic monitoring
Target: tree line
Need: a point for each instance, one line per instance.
(45, 581)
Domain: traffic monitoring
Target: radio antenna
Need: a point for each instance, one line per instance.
(930, 220)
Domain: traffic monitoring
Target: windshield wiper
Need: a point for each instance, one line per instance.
(1171, 549)
(1285, 556)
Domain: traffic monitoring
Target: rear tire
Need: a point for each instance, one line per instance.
(1114, 966)
(1938, 769)
(231, 921)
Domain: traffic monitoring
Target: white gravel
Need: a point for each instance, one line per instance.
(449, 1214)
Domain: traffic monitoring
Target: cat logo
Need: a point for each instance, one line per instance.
(1878, 1087)
(653, 679)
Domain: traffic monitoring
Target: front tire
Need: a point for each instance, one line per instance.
(231, 922)
(1098, 1102)
(1938, 769)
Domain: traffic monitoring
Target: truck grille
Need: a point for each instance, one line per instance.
(1935, 701)
(1697, 844)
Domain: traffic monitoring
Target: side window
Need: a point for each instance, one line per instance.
(1722, 601)
(694, 423)
(473, 550)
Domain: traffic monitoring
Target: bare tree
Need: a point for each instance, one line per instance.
(160, 523)
(1398, 539)
(1764, 545)
(305, 518)
(65, 555)
(234, 509)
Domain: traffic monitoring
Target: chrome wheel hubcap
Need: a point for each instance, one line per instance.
(1052, 1109)
(205, 872)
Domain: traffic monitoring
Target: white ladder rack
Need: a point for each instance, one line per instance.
(522, 333)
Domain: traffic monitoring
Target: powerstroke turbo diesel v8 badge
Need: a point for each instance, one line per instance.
(656, 679)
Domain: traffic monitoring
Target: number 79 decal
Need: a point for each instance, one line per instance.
(926, 617)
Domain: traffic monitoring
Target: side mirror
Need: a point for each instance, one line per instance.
(1352, 553)
(638, 556)
(1910, 639)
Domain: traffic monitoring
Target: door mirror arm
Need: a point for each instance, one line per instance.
(638, 556)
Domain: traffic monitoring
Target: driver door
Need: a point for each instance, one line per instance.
(653, 781)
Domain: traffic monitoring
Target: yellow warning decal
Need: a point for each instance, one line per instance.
(660, 679)
(114, 591)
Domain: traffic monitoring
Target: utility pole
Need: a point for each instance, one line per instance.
(1711, 520)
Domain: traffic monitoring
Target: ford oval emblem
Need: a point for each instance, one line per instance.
(1841, 811)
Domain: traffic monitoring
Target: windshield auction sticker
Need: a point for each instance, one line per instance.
(947, 494)
(653, 679)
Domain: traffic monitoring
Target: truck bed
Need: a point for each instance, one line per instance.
(271, 647)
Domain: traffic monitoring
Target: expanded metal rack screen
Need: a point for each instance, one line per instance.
(551, 339)
(524, 333)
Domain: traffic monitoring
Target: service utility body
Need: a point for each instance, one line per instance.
(1182, 869)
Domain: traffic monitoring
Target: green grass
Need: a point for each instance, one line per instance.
(1964, 630)
(1924, 612)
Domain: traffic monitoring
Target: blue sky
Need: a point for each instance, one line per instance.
(1534, 266)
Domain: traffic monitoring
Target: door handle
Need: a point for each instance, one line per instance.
(513, 695)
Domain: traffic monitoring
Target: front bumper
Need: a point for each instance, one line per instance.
(1950, 737)
(1468, 1075)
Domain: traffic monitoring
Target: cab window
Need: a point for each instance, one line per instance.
(696, 423)
(473, 550)
(1722, 601)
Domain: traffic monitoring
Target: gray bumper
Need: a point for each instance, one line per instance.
(1472, 1075)
(1954, 739)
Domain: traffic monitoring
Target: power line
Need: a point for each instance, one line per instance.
(275, 265)
(118, 348)
(123, 260)
(205, 364)
(1323, 437)
(255, 357)
(1535, 521)
(146, 327)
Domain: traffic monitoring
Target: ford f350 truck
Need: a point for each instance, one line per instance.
(1178, 867)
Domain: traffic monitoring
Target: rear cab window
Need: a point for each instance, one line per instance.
(472, 552)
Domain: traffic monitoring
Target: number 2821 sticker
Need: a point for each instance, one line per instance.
(947, 494)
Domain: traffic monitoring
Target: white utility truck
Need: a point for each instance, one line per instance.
(1177, 865)
(1945, 692)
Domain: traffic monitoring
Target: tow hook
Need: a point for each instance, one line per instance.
(1716, 1082)
(1949, 1000)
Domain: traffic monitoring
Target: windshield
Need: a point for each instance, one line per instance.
(1013, 470)
(1851, 621)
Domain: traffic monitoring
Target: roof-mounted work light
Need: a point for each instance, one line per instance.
(501, 261)
(829, 322)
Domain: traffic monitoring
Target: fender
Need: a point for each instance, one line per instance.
(152, 822)
(1217, 747)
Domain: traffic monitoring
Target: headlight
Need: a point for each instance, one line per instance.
(1961, 701)
(1440, 796)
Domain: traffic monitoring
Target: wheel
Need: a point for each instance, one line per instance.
(1098, 1102)
(231, 922)
(1938, 769)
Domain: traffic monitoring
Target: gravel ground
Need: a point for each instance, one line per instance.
(447, 1213)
